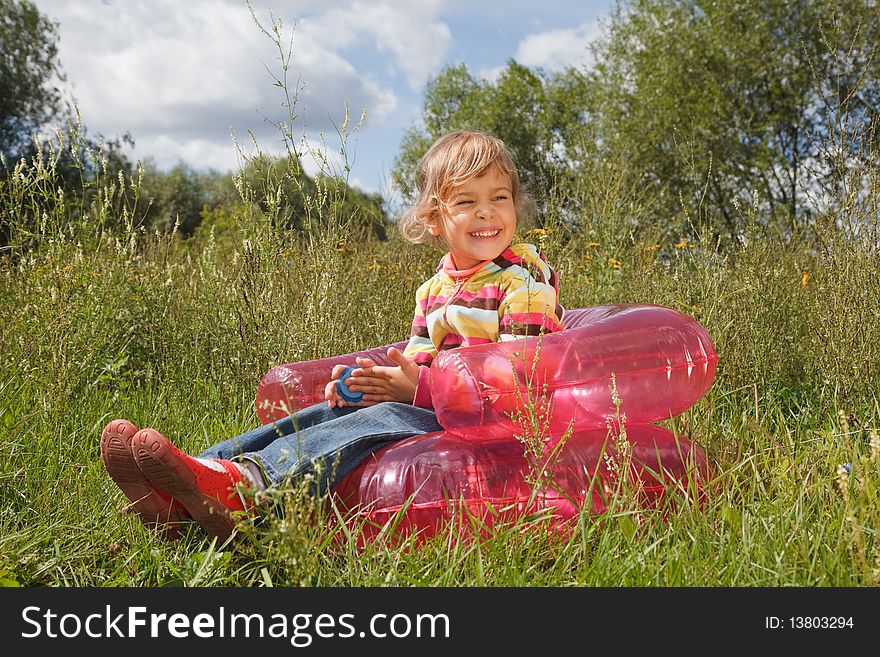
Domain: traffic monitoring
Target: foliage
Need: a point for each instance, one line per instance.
(29, 72)
(714, 102)
(66, 179)
(73, 169)
(294, 200)
(177, 196)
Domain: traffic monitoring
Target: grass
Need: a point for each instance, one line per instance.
(99, 323)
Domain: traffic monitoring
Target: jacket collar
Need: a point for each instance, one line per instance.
(507, 257)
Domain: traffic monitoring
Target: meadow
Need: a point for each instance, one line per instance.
(100, 318)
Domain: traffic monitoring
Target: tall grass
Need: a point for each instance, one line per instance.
(99, 319)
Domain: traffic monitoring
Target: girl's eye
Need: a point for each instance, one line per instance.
(501, 197)
(463, 202)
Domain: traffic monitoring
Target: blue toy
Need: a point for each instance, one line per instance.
(343, 390)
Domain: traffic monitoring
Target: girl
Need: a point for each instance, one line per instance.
(486, 289)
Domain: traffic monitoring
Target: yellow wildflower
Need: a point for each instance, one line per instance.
(805, 279)
(614, 262)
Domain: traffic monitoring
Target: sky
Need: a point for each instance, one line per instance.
(183, 77)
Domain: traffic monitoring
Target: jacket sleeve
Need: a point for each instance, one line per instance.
(531, 303)
(423, 389)
(421, 349)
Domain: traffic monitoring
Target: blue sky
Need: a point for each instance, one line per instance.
(179, 76)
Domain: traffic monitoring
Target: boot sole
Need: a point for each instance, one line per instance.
(169, 472)
(123, 470)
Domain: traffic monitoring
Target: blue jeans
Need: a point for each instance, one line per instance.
(339, 438)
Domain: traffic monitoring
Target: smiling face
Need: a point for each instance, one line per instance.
(478, 219)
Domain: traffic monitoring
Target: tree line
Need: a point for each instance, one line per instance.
(716, 110)
(182, 198)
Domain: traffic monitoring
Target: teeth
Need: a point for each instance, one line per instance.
(485, 233)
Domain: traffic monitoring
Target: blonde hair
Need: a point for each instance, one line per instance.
(453, 160)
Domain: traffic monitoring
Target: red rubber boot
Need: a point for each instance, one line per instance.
(209, 496)
(153, 506)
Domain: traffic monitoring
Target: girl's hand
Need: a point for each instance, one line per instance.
(381, 383)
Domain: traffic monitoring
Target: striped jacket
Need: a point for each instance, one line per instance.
(513, 296)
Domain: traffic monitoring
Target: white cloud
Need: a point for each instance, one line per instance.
(491, 74)
(418, 43)
(409, 29)
(179, 76)
(554, 50)
(319, 157)
(167, 152)
(354, 181)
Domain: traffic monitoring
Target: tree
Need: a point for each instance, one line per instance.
(183, 197)
(175, 197)
(29, 71)
(295, 201)
(715, 101)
